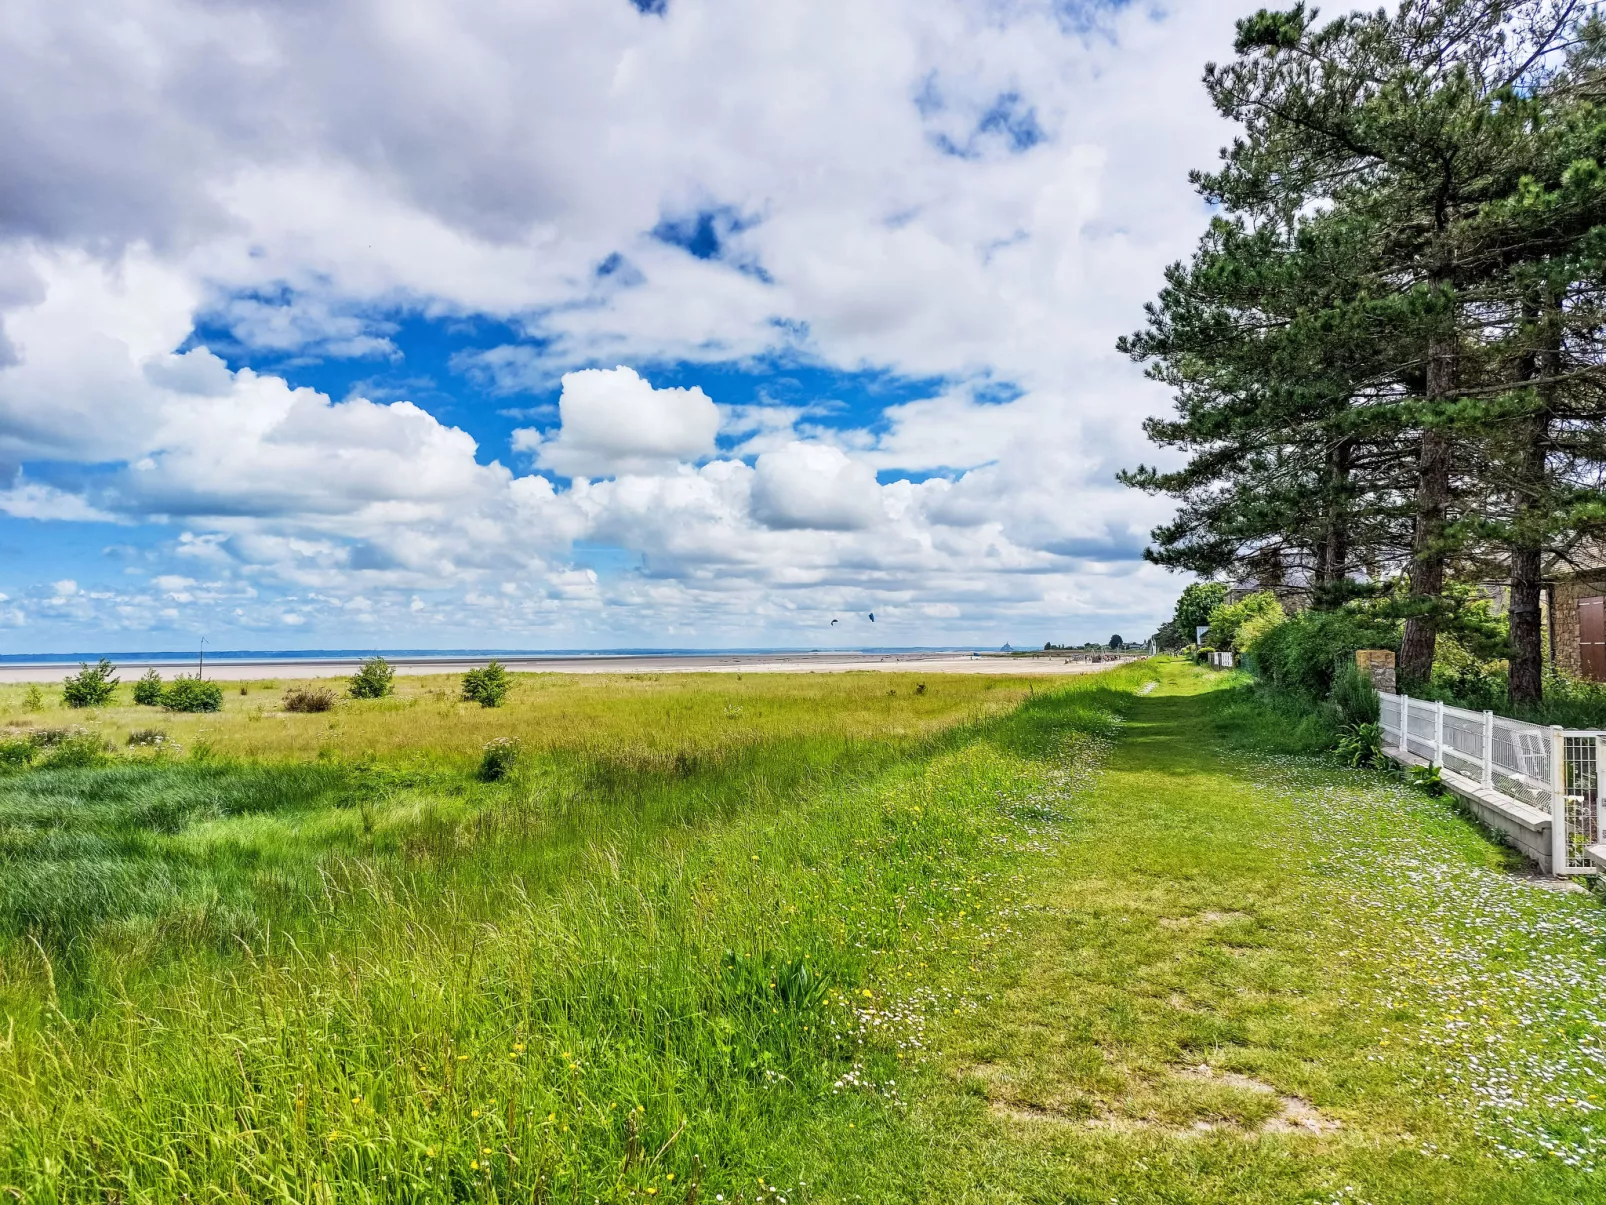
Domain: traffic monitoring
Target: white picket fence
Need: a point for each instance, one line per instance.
(1555, 770)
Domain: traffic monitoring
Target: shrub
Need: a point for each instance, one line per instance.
(1255, 627)
(500, 758)
(1355, 696)
(34, 699)
(1306, 652)
(192, 694)
(487, 686)
(1572, 702)
(15, 753)
(372, 679)
(148, 690)
(309, 698)
(91, 686)
(1226, 619)
(1462, 678)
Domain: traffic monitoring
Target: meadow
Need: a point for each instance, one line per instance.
(777, 938)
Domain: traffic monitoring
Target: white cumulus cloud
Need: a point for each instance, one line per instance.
(815, 486)
(615, 422)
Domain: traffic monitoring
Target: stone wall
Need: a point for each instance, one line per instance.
(1568, 592)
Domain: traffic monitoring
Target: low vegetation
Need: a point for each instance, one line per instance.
(148, 690)
(374, 679)
(309, 699)
(184, 693)
(820, 938)
(487, 686)
(91, 686)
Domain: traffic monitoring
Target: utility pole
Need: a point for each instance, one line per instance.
(200, 669)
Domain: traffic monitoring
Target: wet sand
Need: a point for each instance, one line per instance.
(701, 663)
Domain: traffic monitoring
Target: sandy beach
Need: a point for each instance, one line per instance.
(699, 663)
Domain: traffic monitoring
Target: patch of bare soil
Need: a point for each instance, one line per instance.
(1201, 919)
(1294, 1114)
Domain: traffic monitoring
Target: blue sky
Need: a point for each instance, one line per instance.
(586, 325)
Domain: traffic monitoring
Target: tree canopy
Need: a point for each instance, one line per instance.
(1386, 352)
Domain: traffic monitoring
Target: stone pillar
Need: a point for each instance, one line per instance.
(1378, 665)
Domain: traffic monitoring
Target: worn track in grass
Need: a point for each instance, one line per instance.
(1260, 977)
(1115, 946)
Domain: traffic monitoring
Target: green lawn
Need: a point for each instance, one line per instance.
(1107, 945)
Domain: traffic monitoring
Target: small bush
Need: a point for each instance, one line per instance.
(192, 694)
(501, 758)
(1355, 696)
(373, 679)
(309, 698)
(15, 753)
(34, 699)
(487, 686)
(91, 686)
(148, 690)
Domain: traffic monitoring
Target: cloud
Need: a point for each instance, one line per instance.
(34, 500)
(815, 486)
(651, 186)
(615, 422)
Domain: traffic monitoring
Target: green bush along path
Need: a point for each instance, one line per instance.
(1123, 942)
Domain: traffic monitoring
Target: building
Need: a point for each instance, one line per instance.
(1578, 623)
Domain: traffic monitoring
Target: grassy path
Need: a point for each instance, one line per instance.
(1257, 978)
(1105, 946)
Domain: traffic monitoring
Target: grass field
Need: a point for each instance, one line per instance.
(779, 938)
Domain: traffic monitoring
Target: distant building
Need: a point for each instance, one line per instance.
(1577, 622)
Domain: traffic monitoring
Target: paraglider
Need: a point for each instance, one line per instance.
(872, 616)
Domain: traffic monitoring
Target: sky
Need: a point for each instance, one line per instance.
(586, 323)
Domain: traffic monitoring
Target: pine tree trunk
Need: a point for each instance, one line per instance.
(1434, 461)
(1525, 688)
(1332, 562)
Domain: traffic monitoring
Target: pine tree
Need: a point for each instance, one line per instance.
(1361, 409)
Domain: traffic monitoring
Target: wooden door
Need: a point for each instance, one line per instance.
(1592, 638)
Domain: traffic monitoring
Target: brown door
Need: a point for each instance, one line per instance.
(1592, 638)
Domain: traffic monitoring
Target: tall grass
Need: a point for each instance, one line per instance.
(647, 965)
(602, 713)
